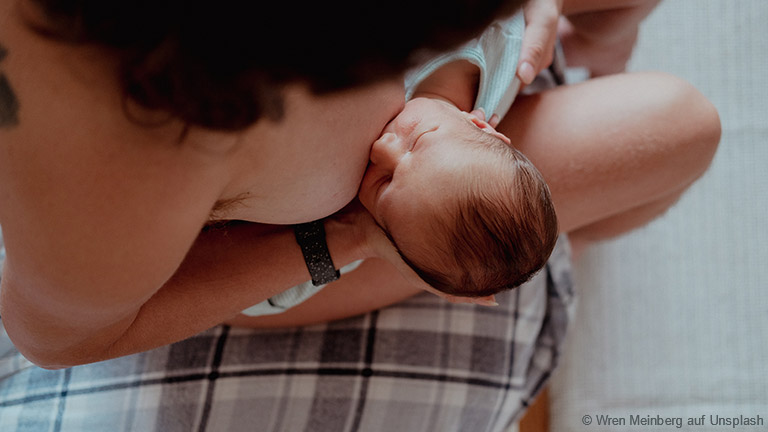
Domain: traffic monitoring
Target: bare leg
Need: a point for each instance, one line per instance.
(619, 224)
(624, 222)
(616, 151)
(601, 34)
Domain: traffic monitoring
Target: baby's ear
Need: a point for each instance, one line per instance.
(486, 127)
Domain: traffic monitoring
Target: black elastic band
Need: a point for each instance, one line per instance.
(311, 238)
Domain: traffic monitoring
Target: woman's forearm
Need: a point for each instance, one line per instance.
(376, 283)
(226, 271)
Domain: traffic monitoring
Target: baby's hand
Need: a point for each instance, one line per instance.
(479, 113)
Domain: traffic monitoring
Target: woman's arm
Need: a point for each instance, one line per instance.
(376, 283)
(102, 219)
(103, 263)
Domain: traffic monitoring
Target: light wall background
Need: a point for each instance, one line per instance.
(673, 318)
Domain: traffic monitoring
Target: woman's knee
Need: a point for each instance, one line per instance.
(691, 121)
(697, 120)
(640, 8)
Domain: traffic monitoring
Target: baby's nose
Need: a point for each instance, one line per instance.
(387, 151)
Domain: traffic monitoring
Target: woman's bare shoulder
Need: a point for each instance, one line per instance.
(87, 193)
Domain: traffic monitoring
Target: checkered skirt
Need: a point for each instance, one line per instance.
(421, 365)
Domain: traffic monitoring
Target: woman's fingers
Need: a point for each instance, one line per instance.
(541, 17)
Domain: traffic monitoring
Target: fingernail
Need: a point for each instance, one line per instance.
(527, 73)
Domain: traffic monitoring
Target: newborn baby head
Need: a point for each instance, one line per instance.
(466, 211)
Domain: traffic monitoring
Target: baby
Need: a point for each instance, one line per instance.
(466, 211)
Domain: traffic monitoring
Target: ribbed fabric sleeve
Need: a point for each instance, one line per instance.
(495, 53)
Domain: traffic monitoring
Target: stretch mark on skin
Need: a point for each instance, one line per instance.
(9, 105)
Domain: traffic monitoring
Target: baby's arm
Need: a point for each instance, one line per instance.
(456, 82)
(480, 74)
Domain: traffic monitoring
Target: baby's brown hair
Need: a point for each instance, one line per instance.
(500, 232)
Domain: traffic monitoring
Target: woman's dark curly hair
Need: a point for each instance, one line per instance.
(222, 64)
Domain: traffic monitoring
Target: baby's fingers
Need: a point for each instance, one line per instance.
(479, 113)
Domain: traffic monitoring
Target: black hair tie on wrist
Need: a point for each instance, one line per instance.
(311, 238)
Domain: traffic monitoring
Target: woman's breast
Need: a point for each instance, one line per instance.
(309, 164)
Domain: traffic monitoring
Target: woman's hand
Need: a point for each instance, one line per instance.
(367, 235)
(375, 243)
(371, 239)
(541, 17)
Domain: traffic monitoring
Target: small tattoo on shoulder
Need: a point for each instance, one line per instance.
(9, 105)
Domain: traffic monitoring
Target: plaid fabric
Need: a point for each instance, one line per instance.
(423, 365)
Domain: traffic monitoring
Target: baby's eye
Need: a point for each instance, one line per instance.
(416, 141)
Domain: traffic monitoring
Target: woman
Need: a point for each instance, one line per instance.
(100, 201)
(178, 187)
(102, 217)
